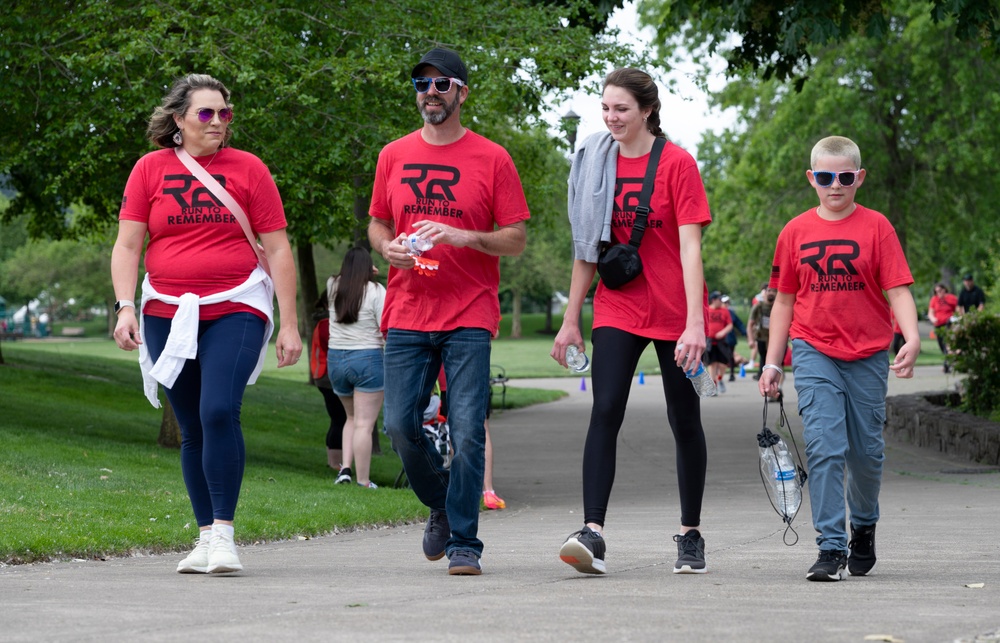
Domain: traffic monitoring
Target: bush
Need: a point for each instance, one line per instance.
(975, 342)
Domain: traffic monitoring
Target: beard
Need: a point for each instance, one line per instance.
(440, 116)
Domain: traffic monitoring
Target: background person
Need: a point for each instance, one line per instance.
(449, 315)
(720, 324)
(355, 359)
(971, 297)
(195, 250)
(732, 339)
(319, 376)
(759, 324)
(646, 309)
(940, 310)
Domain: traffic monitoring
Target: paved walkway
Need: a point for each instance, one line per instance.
(937, 536)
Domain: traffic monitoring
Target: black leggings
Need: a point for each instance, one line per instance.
(338, 417)
(615, 357)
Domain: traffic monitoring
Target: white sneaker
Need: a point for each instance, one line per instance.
(222, 556)
(197, 561)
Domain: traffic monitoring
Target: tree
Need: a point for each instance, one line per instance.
(317, 91)
(912, 100)
(778, 37)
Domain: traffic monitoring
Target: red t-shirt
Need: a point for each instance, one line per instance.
(470, 184)
(838, 271)
(718, 319)
(653, 304)
(195, 244)
(943, 307)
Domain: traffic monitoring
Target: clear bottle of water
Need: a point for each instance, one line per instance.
(700, 379)
(416, 246)
(577, 360)
(779, 470)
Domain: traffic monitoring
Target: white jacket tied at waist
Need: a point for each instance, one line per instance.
(182, 342)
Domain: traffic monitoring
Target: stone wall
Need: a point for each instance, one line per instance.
(923, 420)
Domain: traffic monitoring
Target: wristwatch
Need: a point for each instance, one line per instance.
(123, 303)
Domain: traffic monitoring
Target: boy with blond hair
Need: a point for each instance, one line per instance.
(838, 269)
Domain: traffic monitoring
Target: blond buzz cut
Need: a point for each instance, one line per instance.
(836, 146)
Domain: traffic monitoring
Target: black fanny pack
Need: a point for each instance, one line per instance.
(620, 263)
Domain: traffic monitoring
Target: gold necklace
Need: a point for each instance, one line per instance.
(213, 158)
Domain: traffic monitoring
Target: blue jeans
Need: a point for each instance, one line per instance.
(207, 398)
(842, 405)
(414, 360)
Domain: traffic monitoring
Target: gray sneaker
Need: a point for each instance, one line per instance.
(437, 531)
(690, 553)
(464, 563)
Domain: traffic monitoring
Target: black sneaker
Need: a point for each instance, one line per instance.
(344, 477)
(861, 551)
(690, 553)
(464, 563)
(437, 531)
(584, 550)
(830, 566)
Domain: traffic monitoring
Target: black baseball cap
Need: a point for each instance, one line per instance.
(447, 61)
(715, 294)
(968, 276)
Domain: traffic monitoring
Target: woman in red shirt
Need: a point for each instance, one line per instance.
(939, 312)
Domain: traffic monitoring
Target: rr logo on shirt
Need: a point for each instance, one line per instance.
(629, 190)
(837, 253)
(200, 198)
(438, 188)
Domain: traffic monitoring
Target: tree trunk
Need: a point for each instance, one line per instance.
(308, 288)
(170, 430)
(361, 201)
(515, 316)
(113, 319)
(548, 317)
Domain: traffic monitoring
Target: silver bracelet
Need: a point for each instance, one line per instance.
(772, 366)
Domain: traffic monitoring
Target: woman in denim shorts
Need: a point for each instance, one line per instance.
(354, 361)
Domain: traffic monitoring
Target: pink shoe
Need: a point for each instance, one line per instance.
(492, 500)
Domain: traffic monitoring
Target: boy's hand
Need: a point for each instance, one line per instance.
(769, 381)
(902, 366)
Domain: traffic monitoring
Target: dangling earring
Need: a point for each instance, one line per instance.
(178, 137)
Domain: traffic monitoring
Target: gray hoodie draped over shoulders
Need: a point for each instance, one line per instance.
(592, 194)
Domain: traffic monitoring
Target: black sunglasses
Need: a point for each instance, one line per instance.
(206, 114)
(825, 179)
(442, 84)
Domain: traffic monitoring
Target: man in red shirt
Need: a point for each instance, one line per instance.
(720, 322)
(940, 310)
(458, 190)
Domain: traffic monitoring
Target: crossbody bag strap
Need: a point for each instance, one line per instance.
(227, 199)
(642, 210)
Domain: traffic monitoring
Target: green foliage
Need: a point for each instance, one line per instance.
(975, 340)
(913, 100)
(778, 38)
(317, 92)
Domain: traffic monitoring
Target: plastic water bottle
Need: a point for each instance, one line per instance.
(779, 470)
(416, 246)
(700, 378)
(576, 360)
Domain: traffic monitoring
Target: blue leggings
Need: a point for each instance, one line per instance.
(206, 398)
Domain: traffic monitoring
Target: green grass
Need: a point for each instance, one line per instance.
(82, 475)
